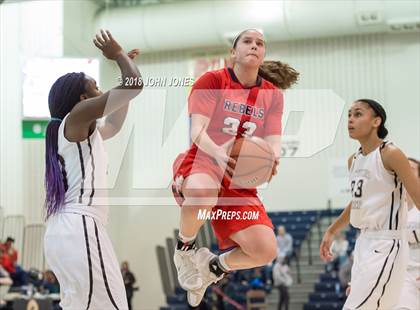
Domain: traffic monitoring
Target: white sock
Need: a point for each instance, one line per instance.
(186, 239)
(222, 261)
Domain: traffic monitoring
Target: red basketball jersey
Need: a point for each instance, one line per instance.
(235, 110)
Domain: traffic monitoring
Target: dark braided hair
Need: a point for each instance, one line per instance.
(64, 95)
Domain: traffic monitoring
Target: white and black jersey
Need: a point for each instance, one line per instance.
(84, 166)
(381, 250)
(377, 194)
(76, 244)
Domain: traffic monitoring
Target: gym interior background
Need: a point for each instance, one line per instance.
(347, 49)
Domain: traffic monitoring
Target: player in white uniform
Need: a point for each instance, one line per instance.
(378, 172)
(76, 245)
(410, 294)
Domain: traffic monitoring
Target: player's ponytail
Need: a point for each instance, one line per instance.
(64, 95)
(54, 183)
(280, 74)
(382, 132)
(379, 112)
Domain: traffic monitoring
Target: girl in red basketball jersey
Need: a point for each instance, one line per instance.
(224, 105)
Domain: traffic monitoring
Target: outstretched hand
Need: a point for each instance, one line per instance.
(133, 53)
(324, 249)
(107, 44)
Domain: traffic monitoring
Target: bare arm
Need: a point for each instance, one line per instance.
(275, 142)
(338, 225)
(199, 136)
(113, 123)
(89, 110)
(115, 120)
(395, 160)
(341, 222)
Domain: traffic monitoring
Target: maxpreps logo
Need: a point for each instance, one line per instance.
(242, 108)
(219, 214)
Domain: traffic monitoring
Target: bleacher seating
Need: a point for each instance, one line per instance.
(328, 293)
(323, 306)
(297, 224)
(29, 245)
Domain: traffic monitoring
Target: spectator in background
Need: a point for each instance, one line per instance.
(284, 244)
(257, 280)
(129, 280)
(49, 283)
(5, 277)
(8, 259)
(282, 280)
(5, 283)
(6, 262)
(339, 251)
(10, 250)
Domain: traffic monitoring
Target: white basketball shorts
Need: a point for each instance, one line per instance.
(79, 252)
(377, 274)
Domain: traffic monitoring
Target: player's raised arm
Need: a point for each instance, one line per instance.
(91, 108)
(115, 120)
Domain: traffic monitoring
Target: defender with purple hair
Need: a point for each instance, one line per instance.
(77, 247)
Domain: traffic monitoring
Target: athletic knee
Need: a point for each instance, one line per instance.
(200, 197)
(262, 253)
(270, 254)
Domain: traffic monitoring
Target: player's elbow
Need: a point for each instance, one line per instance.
(195, 134)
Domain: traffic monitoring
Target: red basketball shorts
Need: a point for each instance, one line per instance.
(236, 209)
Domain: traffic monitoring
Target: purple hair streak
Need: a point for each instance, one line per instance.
(64, 95)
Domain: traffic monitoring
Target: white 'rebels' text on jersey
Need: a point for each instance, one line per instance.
(84, 168)
(377, 194)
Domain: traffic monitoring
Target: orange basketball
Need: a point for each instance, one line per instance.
(254, 162)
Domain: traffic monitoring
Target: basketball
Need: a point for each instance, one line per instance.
(254, 162)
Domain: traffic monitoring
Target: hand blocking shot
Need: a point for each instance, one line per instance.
(76, 244)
